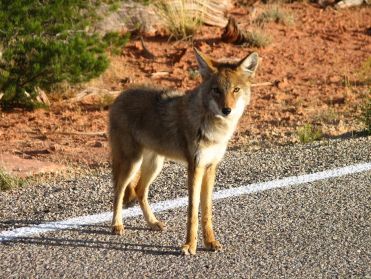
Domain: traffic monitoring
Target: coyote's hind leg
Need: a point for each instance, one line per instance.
(123, 173)
(151, 167)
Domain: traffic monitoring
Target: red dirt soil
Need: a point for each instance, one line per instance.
(316, 61)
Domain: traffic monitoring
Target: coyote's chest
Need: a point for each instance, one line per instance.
(214, 141)
(211, 154)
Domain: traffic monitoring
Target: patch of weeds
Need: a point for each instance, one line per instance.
(329, 116)
(106, 101)
(364, 74)
(115, 41)
(346, 81)
(8, 181)
(275, 14)
(257, 38)
(182, 17)
(309, 133)
(193, 74)
(366, 115)
(62, 91)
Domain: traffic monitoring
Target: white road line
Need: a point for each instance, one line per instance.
(180, 202)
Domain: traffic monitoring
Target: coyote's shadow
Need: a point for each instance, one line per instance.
(91, 230)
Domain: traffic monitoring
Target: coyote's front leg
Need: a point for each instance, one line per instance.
(195, 175)
(206, 209)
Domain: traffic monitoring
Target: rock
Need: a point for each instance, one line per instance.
(132, 16)
(335, 100)
(41, 97)
(56, 147)
(98, 144)
(349, 3)
(94, 95)
(283, 84)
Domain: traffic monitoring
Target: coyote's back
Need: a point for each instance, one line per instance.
(148, 118)
(147, 125)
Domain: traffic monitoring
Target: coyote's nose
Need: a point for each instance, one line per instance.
(226, 111)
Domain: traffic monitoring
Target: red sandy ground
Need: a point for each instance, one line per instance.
(316, 61)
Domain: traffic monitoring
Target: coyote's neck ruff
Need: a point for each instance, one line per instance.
(148, 124)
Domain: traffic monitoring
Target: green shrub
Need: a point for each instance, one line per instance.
(8, 181)
(45, 42)
(309, 133)
(364, 73)
(366, 115)
(115, 41)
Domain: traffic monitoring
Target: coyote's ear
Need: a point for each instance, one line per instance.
(249, 64)
(205, 64)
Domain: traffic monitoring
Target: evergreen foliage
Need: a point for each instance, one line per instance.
(43, 42)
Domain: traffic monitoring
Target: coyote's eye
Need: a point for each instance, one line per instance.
(216, 91)
(236, 90)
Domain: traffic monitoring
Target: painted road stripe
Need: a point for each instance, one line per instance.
(180, 202)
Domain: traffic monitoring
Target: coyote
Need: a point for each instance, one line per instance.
(148, 125)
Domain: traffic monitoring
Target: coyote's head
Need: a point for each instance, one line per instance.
(227, 85)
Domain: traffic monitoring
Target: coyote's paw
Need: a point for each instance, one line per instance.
(213, 245)
(188, 249)
(158, 226)
(118, 229)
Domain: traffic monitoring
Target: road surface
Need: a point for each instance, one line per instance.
(317, 229)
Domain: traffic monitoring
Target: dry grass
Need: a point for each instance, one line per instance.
(258, 38)
(274, 14)
(8, 181)
(364, 76)
(364, 73)
(181, 17)
(327, 117)
(105, 101)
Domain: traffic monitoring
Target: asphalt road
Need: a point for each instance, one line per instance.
(312, 230)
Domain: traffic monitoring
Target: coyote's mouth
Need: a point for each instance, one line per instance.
(219, 116)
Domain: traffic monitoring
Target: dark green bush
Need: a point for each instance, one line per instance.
(115, 41)
(43, 42)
